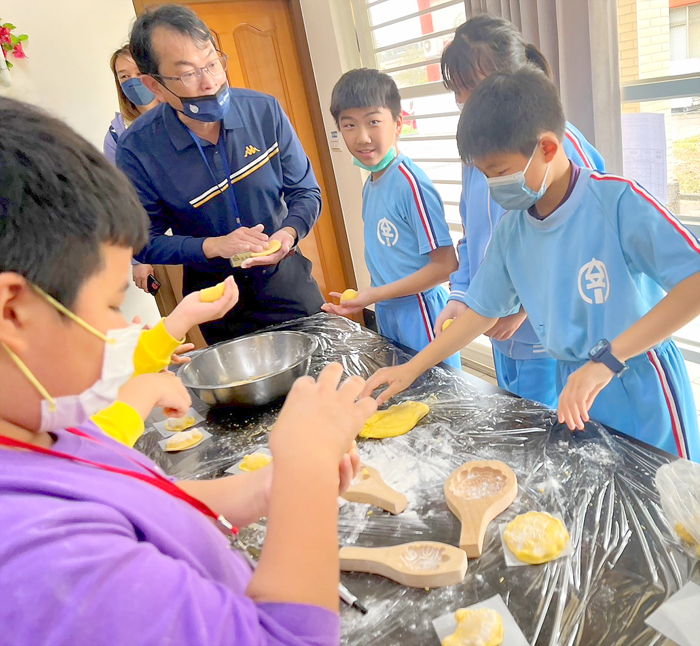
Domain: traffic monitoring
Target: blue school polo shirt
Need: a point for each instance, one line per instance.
(272, 179)
(590, 269)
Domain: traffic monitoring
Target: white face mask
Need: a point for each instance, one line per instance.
(117, 369)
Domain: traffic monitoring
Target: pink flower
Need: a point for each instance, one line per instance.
(4, 35)
(18, 51)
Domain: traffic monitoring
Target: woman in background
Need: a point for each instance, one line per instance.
(134, 100)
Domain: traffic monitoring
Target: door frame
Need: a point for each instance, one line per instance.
(315, 109)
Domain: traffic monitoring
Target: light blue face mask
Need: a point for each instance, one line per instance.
(388, 158)
(512, 191)
(137, 92)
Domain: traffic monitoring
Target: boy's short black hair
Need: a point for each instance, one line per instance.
(59, 200)
(171, 16)
(365, 88)
(508, 113)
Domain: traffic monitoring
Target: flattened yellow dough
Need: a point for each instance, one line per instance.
(536, 537)
(255, 461)
(211, 294)
(275, 245)
(476, 627)
(180, 423)
(184, 440)
(348, 295)
(447, 324)
(685, 534)
(394, 421)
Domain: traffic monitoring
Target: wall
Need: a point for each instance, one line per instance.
(67, 73)
(331, 36)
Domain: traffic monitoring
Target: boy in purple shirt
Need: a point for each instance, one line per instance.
(97, 546)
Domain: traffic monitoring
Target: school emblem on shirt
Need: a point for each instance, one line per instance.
(593, 282)
(251, 150)
(387, 233)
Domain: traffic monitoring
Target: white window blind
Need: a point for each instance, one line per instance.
(405, 39)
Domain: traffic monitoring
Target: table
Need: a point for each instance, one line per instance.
(626, 561)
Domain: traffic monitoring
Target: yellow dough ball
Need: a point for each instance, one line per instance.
(255, 461)
(684, 534)
(211, 294)
(180, 423)
(273, 247)
(476, 627)
(536, 537)
(184, 440)
(447, 324)
(396, 420)
(348, 295)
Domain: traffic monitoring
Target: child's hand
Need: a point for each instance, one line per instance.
(192, 311)
(365, 298)
(582, 387)
(176, 358)
(349, 468)
(507, 326)
(397, 378)
(320, 420)
(451, 311)
(163, 390)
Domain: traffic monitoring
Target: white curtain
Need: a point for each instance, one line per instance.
(579, 39)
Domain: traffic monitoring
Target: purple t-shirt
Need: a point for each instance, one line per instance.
(92, 557)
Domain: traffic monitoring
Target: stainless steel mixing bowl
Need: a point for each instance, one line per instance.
(250, 371)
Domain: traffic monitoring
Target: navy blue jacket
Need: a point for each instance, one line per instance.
(272, 178)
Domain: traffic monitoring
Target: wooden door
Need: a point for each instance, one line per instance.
(259, 38)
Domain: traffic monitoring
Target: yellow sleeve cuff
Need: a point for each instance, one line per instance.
(154, 350)
(121, 422)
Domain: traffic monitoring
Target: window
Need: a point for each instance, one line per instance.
(405, 39)
(660, 73)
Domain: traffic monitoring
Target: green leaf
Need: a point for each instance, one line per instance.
(8, 25)
(21, 38)
(14, 40)
(7, 47)
(9, 65)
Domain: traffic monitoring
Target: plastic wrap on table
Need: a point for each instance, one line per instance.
(679, 487)
(626, 560)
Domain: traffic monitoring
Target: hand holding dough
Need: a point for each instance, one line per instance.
(348, 295)
(476, 627)
(255, 461)
(394, 421)
(180, 423)
(211, 294)
(273, 247)
(447, 324)
(184, 440)
(536, 537)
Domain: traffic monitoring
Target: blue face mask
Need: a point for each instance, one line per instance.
(388, 158)
(137, 92)
(512, 191)
(213, 107)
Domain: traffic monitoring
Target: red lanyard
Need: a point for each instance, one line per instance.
(154, 479)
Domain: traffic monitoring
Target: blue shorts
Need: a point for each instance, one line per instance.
(534, 379)
(652, 401)
(410, 320)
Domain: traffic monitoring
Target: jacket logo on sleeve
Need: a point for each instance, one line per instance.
(251, 150)
(387, 233)
(593, 282)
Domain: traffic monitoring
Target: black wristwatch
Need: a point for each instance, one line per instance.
(602, 353)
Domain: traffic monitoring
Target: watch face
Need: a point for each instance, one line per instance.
(599, 347)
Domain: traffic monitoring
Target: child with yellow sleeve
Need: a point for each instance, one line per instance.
(150, 386)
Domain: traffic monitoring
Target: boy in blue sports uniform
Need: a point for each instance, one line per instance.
(408, 248)
(590, 257)
(522, 365)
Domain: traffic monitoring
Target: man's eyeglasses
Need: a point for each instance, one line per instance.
(192, 78)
